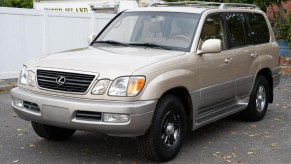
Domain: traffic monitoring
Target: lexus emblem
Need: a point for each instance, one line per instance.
(61, 80)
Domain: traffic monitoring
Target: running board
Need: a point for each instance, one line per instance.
(217, 113)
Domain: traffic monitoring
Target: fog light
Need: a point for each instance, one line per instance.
(115, 118)
(18, 103)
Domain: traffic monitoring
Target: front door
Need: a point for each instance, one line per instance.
(216, 70)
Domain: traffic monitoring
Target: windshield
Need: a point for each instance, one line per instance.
(167, 30)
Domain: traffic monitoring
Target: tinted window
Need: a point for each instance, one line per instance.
(213, 28)
(236, 30)
(259, 28)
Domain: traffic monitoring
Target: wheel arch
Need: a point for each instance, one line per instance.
(183, 95)
(267, 73)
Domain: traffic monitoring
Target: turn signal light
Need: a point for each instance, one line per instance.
(135, 85)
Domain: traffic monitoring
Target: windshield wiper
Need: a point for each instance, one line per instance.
(152, 45)
(113, 42)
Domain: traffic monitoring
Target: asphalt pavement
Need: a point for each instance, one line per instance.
(229, 140)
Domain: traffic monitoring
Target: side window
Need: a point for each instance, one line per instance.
(213, 28)
(236, 30)
(259, 32)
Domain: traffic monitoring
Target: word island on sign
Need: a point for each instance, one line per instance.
(81, 10)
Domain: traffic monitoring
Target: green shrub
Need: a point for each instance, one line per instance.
(17, 3)
(285, 31)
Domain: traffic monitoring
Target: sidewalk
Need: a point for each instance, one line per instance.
(7, 84)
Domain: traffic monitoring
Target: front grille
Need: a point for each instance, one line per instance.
(74, 82)
(87, 115)
(31, 106)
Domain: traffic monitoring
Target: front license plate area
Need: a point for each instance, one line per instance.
(54, 113)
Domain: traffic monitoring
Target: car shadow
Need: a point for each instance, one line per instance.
(99, 148)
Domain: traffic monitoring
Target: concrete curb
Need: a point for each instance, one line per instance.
(7, 84)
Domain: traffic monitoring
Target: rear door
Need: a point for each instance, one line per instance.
(261, 38)
(244, 52)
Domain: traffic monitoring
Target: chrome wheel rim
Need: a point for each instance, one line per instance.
(170, 130)
(261, 98)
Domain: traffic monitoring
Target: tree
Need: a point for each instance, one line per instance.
(281, 9)
(17, 3)
(266, 3)
(1, 3)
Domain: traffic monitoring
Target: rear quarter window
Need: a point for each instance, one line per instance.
(259, 31)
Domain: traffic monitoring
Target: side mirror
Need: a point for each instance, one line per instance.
(90, 38)
(211, 46)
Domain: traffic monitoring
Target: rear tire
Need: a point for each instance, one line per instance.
(259, 99)
(165, 137)
(51, 132)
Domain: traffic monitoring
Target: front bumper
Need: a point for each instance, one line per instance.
(61, 112)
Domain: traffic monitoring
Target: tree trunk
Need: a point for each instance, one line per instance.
(282, 12)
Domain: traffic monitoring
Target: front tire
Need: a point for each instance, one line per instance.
(259, 99)
(165, 137)
(51, 132)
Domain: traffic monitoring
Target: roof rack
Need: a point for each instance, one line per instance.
(206, 4)
(238, 5)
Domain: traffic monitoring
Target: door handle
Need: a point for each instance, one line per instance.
(228, 60)
(254, 55)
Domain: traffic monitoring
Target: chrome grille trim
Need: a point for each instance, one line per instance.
(76, 82)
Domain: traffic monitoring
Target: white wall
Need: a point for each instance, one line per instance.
(26, 34)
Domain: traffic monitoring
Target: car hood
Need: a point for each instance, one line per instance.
(110, 62)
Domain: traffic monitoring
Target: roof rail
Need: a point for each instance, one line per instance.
(186, 3)
(206, 4)
(238, 5)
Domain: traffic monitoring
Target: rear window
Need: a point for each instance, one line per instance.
(259, 29)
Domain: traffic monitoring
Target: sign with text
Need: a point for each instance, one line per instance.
(82, 7)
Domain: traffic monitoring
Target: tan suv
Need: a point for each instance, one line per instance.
(154, 73)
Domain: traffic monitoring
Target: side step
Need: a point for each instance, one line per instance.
(208, 115)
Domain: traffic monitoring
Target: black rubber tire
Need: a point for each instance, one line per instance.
(251, 113)
(150, 145)
(52, 133)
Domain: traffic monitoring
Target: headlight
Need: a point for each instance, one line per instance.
(119, 87)
(23, 76)
(100, 87)
(127, 86)
(31, 79)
